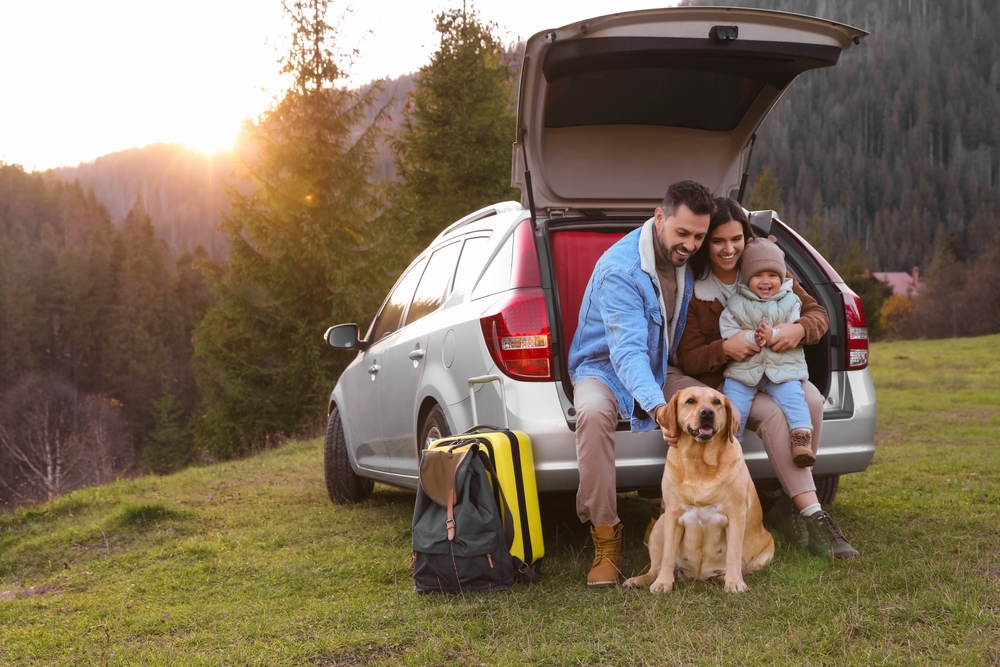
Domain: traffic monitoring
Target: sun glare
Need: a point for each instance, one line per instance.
(210, 140)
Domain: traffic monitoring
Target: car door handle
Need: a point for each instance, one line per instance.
(374, 369)
(417, 354)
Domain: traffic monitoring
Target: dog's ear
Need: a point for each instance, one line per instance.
(668, 416)
(731, 422)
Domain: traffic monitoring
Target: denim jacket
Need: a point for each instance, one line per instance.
(621, 338)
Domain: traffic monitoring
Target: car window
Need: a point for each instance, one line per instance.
(496, 279)
(642, 97)
(389, 317)
(432, 286)
(470, 262)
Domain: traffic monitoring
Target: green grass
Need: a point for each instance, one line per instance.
(248, 563)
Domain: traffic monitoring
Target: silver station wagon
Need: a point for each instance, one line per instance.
(611, 111)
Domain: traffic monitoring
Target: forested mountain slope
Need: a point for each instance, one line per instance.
(184, 190)
(181, 189)
(95, 319)
(898, 145)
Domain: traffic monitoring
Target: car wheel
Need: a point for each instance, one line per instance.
(435, 427)
(343, 485)
(826, 489)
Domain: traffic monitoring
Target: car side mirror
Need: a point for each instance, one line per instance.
(345, 337)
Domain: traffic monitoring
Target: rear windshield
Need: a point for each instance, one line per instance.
(678, 82)
(647, 96)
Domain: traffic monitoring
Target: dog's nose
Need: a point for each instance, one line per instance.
(707, 414)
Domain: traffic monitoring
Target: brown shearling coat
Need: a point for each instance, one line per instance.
(700, 352)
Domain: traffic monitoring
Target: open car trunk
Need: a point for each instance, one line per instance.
(577, 243)
(614, 109)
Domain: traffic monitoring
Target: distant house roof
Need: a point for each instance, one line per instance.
(903, 284)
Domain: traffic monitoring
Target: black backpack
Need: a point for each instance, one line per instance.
(459, 541)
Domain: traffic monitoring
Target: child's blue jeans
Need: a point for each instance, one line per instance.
(788, 395)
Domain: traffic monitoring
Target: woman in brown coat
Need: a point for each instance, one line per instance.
(703, 354)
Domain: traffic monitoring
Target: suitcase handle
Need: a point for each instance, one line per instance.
(484, 379)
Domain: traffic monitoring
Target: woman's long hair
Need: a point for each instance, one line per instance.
(727, 209)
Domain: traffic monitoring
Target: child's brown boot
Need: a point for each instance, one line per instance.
(802, 453)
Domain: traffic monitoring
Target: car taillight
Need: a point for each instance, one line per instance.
(857, 332)
(517, 335)
(525, 271)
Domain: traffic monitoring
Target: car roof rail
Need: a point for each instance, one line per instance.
(493, 209)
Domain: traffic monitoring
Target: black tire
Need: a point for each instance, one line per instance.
(826, 489)
(343, 485)
(435, 427)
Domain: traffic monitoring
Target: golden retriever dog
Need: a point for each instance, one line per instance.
(711, 526)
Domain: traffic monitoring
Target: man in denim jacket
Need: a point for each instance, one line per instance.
(621, 361)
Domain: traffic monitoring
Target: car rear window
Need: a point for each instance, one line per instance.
(695, 83)
(648, 96)
(496, 279)
(470, 263)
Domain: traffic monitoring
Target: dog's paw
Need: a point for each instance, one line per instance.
(737, 586)
(634, 582)
(660, 587)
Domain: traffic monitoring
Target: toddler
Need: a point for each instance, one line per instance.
(763, 302)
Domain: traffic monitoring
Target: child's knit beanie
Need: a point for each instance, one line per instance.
(761, 255)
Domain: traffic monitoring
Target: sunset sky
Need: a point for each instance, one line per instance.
(80, 79)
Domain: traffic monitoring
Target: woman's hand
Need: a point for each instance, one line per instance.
(738, 348)
(789, 336)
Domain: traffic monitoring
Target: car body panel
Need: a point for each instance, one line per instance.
(360, 411)
(399, 383)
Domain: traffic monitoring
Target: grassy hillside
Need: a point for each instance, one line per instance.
(247, 563)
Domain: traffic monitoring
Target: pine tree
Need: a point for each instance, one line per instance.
(766, 193)
(938, 309)
(138, 355)
(454, 150)
(168, 445)
(305, 253)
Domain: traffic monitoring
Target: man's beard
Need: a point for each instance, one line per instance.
(668, 253)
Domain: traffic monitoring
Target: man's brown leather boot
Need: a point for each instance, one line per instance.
(607, 564)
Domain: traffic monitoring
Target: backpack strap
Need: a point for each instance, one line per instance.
(498, 496)
(451, 513)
